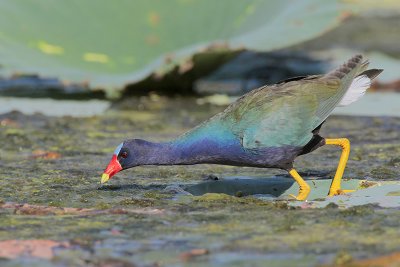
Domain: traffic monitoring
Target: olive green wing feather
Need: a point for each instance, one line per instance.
(284, 114)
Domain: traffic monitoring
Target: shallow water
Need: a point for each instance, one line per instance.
(372, 104)
(141, 217)
(51, 107)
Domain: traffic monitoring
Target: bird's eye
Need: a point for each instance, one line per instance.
(124, 154)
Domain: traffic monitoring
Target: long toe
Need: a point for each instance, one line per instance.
(304, 187)
(303, 193)
(341, 192)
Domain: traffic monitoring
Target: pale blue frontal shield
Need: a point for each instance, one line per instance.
(118, 149)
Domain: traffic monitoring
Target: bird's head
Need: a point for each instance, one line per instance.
(128, 154)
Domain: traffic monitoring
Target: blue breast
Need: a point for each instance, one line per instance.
(210, 142)
(216, 144)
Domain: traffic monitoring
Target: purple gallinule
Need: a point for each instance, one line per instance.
(267, 128)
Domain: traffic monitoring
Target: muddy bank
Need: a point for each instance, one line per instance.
(55, 163)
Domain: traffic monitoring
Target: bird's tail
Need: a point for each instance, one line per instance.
(355, 79)
(353, 66)
(361, 83)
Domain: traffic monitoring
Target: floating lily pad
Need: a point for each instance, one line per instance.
(109, 44)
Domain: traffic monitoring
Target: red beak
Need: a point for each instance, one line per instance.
(112, 168)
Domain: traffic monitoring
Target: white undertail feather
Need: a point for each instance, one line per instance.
(356, 90)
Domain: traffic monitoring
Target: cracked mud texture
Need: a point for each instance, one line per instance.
(54, 164)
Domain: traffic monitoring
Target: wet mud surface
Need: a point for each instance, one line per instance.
(148, 216)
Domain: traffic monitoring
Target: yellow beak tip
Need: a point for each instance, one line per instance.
(104, 178)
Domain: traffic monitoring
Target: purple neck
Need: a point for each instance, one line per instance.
(187, 153)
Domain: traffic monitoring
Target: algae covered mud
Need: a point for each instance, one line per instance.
(53, 211)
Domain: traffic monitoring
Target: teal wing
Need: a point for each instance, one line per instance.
(284, 114)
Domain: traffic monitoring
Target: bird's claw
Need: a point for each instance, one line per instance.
(300, 197)
(339, 192)
(292, 197)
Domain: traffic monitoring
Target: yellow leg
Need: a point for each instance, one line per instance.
(344, 143)
(304, 187)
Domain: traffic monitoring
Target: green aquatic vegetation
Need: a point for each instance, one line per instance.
(395, 162)
(214, 197)
(342, 257)
(289, 223)
(383, 173)
(156, 195)
(358, 211)
(141, 202)
(174, 222)
(393, 193)
(14, 132)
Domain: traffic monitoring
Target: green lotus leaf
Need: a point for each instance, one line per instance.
(110, 43)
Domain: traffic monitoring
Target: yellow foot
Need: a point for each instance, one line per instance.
(346, 191)
(304, 187)
(303, 192)
(344, 143)
(338, 192)
(301, 197)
